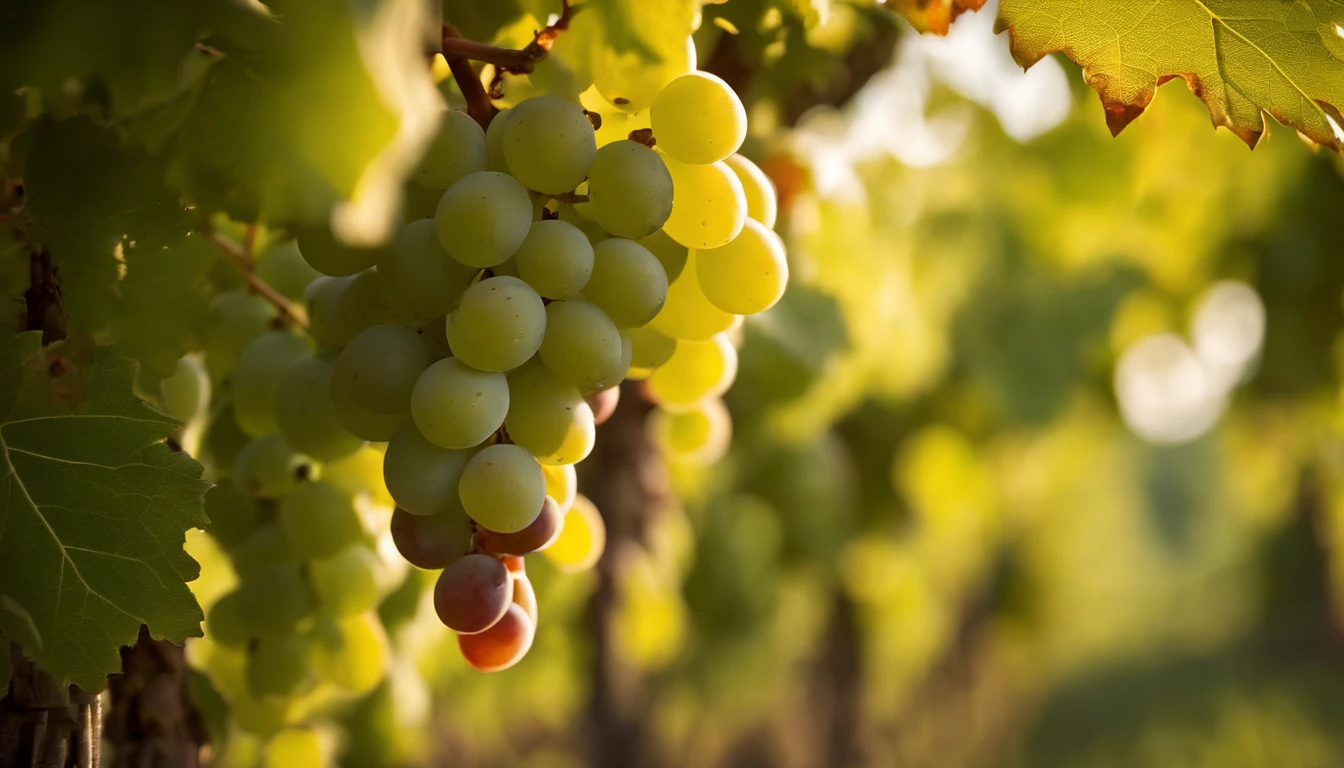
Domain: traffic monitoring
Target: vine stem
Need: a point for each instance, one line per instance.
(479, 107)
(241, 259)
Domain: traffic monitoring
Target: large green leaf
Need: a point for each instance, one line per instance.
(1244, 58)
(95, 509)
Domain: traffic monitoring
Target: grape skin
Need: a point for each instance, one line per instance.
(360, 421)
(629, 189)
(582, 538)
(483, 218)
(472, 594)
(273, 601)
(350, 653)
(346, 583)
(628, 282)
(323, 253)
(562, 484)
(236, 318)
(709, 205)
(582, 345)
(502, 645)
(525, 597)
(649, 348)
(421, 476)
(268, 467)
(319, 520)
(762, 202)
(279, 665)
(379, 367)
(458, 150)
(536, 536)
(556, 259)
(549, 417)
(261, 365)
(498, 325)
(696, 371)
(419, 276)
(431, 542)
(697, 118)
(307, 415)
(502, 488)
(746, 276)
(687, 314)
(456, 406)
(700, 435)
(549, 144)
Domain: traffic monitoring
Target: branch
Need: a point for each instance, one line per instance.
(242, 262)
(507, 61)
(478, 101)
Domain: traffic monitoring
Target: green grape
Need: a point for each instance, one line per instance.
(417, 275)
(687, 314)
(562, 484)
(360, 421)
(494, 141)
(631, 80)
(324, 254)
(549, 144)
(273, 601)
(233, 515)
(457, 150)
(697, 371)
(223, 625)
(262, 716)
(279, 665)
(582, 345)
(590, 229)
(294, 748)
(360, 473)
(762, 203)
(265, 548)
(283, 268)
(421, 476)
(628, 282)
(319, 520)
(671, 254)
(435, 334)
(498, 325)
(629, 189)
(268, 467)
(236, 318)
(222, 443)
(708, 207)
(556, 259)
(260, 367)
(502, 488)
(699, 119)
(549, 417)
(307, 416)
(483, 218)
(457, 406)
(649, 348)
(378, 368)
(431, 542)
(699, 435)
(186, 394)
(746, 276)
(350, 653)
(419, 202)
(346, 583)
(339, 309)
(618, 374)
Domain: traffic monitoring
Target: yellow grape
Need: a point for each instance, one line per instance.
(582, 539)
(687, 314)
(709, 206)
(745, 276)
(696, 371)
(762, 202)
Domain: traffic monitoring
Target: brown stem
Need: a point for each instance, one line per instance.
(570, 197)
(508, 58)
(479, 106)
(242, 262)
(152, 720)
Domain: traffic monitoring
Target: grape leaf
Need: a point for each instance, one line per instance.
(95, 510)
(934, 15)
(1243, 58)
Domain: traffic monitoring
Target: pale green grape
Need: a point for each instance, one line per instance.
(263, 362)
(379, 367)
(556, 259)
(346, 583)
(698, 119)
(268, 467)
(421, 476)
(628, 282)
(283, 268)
(631, 80)
(279, 665)
(618, 374)
(222, 443)
(746, 276)
(502, 488)
(319, 520)
(457, 406)
(350, 653)
(273, 601)
(649, 348)
(360, 421)
(498, 324)
(360, 473)
(223, 625)
(708, 204)
(687, 314)
(482, 219)
(418, 202)
(494, 141)
(549, 417)
(233, 515)
(582, 345)
(697, 371)
(629, 189)
(699, 435)
(435, 334)
(265, 548)
(326, 255)
(294, 748)
(307, 417)
(590, 229)
(418, 277)
(186, 394)
(671, 254)
(339, 309)
(457, 150)
(236, 318)
(762, 202)
(562, 484)
(549, 144)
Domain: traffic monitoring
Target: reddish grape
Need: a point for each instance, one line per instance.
(604, 403)
(537, 535)
(514, 563)
(502, 645)
(431, 541)
(525, 597)
(473, 593)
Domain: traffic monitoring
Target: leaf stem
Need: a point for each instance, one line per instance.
(241, 260)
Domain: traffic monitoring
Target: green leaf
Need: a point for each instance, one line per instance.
(1243, 58)
(95, 510)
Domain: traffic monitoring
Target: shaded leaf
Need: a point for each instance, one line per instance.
(934, 15)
